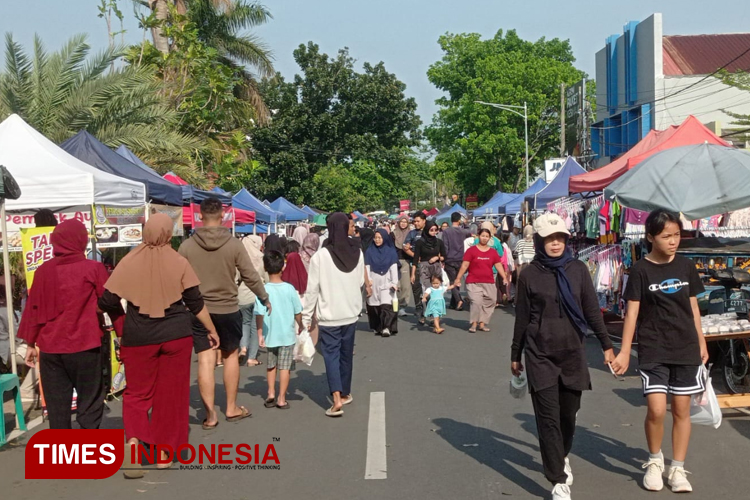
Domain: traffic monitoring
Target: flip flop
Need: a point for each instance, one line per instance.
(257, 362)
(484, 329)
(440, 331)
(129, 470)
(472, 330)
(207, 427)
(270, 403)
(285, 406)
(330, 412)
(237, 418)
(347, 401)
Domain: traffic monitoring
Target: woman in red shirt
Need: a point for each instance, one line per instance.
(61, 319)
(480, 283)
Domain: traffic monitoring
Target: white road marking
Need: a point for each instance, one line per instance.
(376, 465)
(16, 433)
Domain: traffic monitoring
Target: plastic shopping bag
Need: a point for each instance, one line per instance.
(446, 280)
(704, 407)
(519, 386)
(304, 350)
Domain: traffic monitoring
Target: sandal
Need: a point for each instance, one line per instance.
(473, 329)
(330, 412)
(207, 427)
(250, 362)
(347, 400)
(237, 418)
(285, 406)
(439, 330)
(270, 403)
(484, 329)
(132, 470)
(421, 321)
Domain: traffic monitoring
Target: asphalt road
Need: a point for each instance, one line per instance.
(452, 431)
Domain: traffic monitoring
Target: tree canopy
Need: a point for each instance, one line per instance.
(331, 122)
(484, 146)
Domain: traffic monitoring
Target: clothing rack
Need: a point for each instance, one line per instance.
(597, 252)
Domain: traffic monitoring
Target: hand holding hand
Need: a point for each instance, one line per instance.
(621, 363)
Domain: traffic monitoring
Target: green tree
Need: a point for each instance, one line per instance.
(330, 114)
(63, 92)
(740, 80)
(484, 146)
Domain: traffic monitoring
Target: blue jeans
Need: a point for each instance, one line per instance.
(249, 331)
(337, 346)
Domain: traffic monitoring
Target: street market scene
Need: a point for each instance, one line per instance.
(398, 250)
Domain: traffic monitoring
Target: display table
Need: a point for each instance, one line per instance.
(732, 400)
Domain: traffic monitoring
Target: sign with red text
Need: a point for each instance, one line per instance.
(25, 219)
(37, 249)
(405, 205)
(471, 202)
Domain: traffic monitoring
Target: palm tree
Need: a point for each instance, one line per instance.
(63, 92)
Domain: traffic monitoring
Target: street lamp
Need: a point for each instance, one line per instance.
(525, 116)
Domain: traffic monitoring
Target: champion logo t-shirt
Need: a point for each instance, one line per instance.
(666, 328)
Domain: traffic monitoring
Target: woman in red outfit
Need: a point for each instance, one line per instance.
(161, 290)
(61, 319)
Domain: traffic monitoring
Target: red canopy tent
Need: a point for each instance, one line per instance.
(240, 216)
(432, 211)
(689, 132)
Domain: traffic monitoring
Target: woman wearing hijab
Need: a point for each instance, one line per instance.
(274, 243)
(337, 274)
(61, 319)
(300, 232)
(295, 273)
(429, 253)
(366, 236)
(381, 262)
(309, 247)
(249, 342)
(525, 248)
(161, 290)
(398, 235)
(555, 306)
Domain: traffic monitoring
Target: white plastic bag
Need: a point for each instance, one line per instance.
(304, 350)
(446, 280)
(704, 407)
(519, 386)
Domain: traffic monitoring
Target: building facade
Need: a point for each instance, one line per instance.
(646, 80)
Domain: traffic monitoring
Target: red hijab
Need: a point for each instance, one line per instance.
(69, 240)
(295, 273)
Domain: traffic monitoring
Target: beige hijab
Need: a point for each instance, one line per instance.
(252, 245)
(528, 233)
(153, 276)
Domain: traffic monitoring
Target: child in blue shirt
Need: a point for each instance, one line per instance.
(276, 329)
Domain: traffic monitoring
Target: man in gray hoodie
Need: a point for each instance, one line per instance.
(216, 258)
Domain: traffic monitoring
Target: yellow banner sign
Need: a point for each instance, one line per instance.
(37, 250)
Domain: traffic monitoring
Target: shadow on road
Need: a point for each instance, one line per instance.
(599, 450)
(633, 396)
(497, 451)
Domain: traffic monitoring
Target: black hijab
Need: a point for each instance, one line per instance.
(429, 242)
(366, 236)
(345, 251)
(274, 243)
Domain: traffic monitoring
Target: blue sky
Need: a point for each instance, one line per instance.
(402, 33)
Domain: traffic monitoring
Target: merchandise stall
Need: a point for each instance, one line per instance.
(263, 214)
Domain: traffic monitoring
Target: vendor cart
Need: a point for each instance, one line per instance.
(737, 360)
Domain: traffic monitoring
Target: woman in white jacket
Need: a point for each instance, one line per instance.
(381, 262)
(334, 283)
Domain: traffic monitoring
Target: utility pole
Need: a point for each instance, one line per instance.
(499, 174)
(562, 120)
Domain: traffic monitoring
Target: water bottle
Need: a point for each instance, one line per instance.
(519, 386)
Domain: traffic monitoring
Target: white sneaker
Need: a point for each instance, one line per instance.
(569, 472)
(386, 333)
(653, 480)
(678, 480)
(401, 313)
(561, 492)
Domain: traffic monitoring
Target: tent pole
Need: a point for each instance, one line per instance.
(8, 290)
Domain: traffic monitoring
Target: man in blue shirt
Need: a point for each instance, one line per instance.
(409, 243)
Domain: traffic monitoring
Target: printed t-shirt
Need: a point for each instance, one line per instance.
(666, 329)
(481, 265)
(279, 327)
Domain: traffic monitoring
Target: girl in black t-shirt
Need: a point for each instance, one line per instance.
(661, 295)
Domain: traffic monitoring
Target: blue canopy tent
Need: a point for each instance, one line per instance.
(191, 194)
(132, 158)
(88, 149)
(557, 188)
(493, 205)
(515, 206)
(251, 229)
(246, 201)
(290, 210)
(446, 215)
(309, 211)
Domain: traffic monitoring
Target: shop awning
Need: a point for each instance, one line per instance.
(492, 206)
(246, 201)
(49, 177)
(446, 215)
(89, 149)
(690, 132)
(290, 210)
(557, 188)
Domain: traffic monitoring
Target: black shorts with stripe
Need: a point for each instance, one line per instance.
(680, 380)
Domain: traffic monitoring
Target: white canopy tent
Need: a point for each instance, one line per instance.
(51, 178)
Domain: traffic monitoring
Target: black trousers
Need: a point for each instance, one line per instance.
(555, 409)
(60, 374)
(382, 317)
(416, 290)
(451, 269)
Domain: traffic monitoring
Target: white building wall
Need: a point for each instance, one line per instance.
(706, 101)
